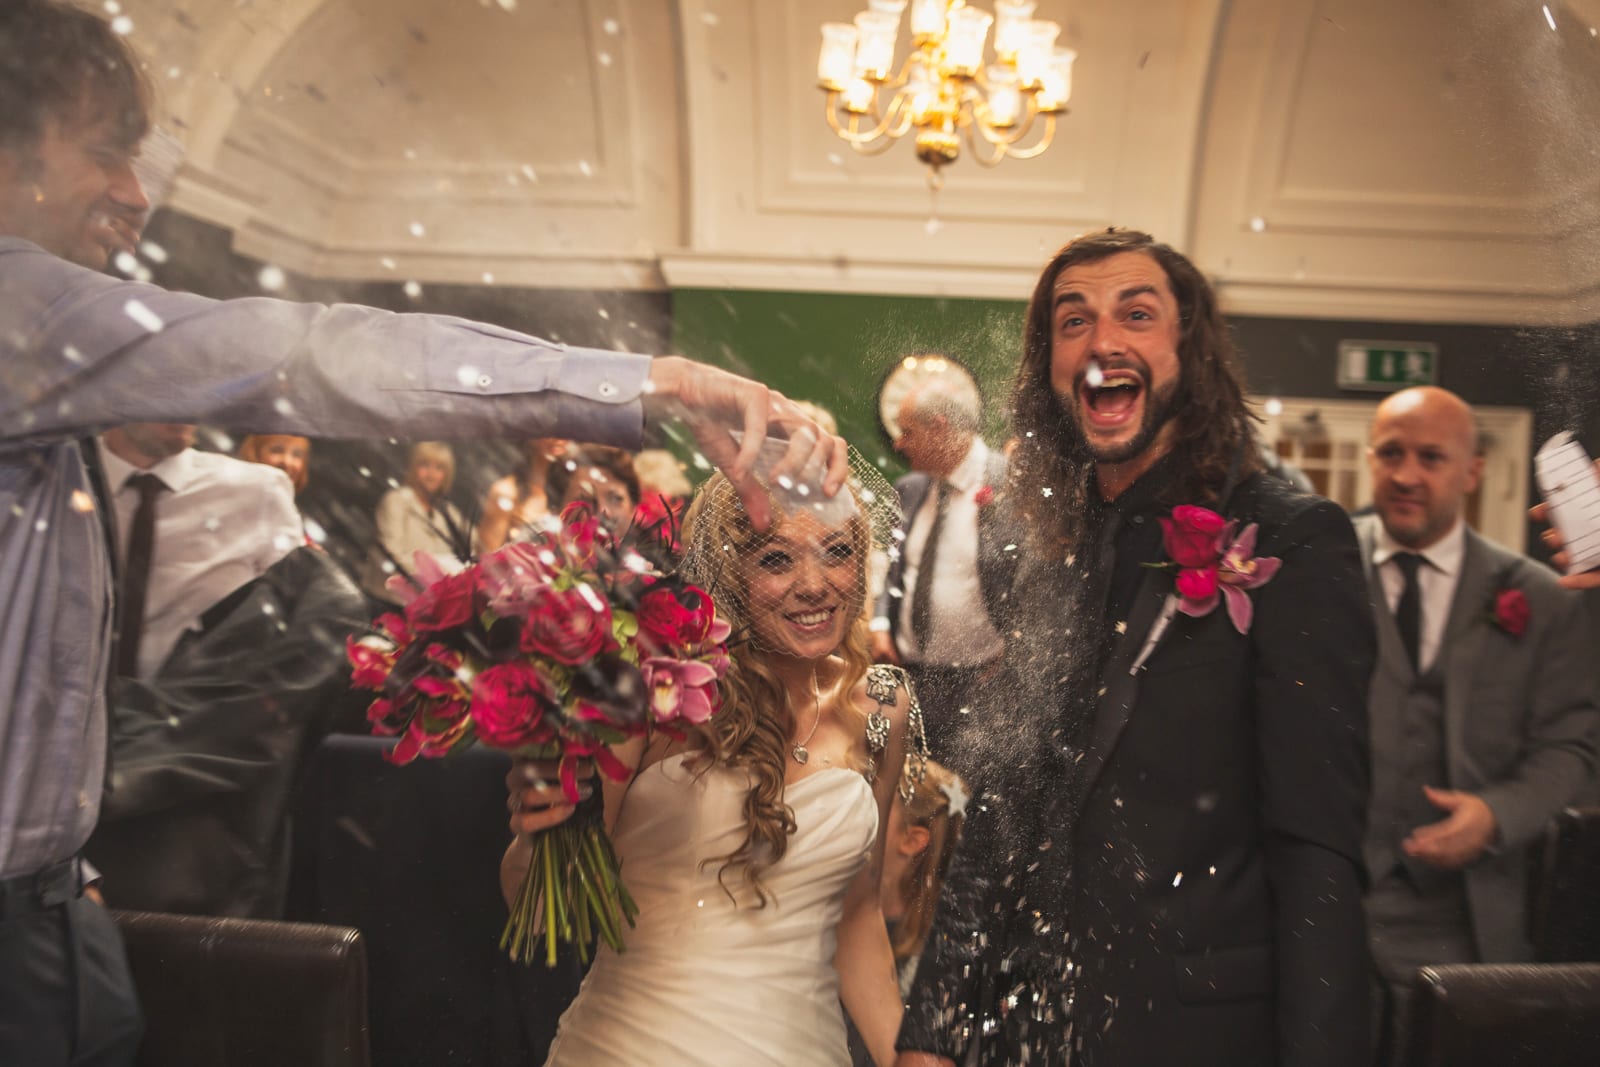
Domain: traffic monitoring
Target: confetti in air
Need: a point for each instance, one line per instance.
(122, 25)
(413, 289)
(270, 279)
(417, 229)
(1094, 377)
(1258, 224)
(142, 315)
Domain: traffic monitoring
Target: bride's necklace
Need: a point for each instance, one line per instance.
(800, 753)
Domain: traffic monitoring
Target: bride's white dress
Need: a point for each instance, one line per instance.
(703, 982)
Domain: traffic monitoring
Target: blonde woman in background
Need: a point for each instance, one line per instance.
(417, 517)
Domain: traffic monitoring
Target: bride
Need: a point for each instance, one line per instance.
(755, 849)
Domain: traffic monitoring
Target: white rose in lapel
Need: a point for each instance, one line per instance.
(1215, 565)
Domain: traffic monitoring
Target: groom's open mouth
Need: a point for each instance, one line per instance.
(1114, 400)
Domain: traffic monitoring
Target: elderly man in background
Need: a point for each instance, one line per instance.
(945, 590)
(80, 351)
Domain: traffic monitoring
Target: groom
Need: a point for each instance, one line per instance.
(1165, 864)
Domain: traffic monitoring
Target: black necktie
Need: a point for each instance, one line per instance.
(136, 573)
(1408, 612)
(922, 593)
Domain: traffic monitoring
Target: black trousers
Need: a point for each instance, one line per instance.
(948, 696)
(66, 996)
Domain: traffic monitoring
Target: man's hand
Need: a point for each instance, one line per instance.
(881, 645)
(713, 402)
(536, 801)
(1552, 537)
(1458, 840)
(922, 1059)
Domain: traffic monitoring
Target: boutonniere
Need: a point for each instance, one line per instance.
(1510, 611)
(984, 496)
(1215, 561)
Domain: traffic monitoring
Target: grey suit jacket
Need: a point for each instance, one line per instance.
(1521, 720)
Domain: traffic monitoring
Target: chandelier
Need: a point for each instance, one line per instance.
(944, 89)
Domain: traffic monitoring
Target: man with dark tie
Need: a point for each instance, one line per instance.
(938, 613)
(1483, 715)
(192, 527)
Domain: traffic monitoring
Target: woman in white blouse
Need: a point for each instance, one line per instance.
(418, 517)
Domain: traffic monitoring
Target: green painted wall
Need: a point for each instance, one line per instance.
(835, 349)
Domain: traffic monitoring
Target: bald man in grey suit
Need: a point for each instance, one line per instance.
(1483, 712)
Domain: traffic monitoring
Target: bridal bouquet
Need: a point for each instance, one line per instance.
(551, 649)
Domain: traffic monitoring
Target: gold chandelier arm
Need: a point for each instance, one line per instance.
(853, 134)
(1042, 143)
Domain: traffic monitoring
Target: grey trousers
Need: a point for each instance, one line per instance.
(1411, 927)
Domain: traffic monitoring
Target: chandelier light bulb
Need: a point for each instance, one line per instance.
(876, 31)
(1005, 100)
(1009, 17)
(858, 96)
(969, 28)
(1035, 49)
(927, 19)
(1057, 88)
(837, 58)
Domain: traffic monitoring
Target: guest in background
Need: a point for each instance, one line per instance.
(418, 517)
(603, 476)
(939, 613)
(288, 453)
(1484, 719)
(230, 646)
(518, 501)
(660, 474)
(193, 526)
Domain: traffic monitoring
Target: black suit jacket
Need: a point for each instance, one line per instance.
(1208, 892)
(206, 754)
(996, 565)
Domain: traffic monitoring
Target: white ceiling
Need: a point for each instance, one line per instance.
(1429, 160)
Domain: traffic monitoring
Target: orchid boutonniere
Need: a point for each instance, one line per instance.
(1215, 562)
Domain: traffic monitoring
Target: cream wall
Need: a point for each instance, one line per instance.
(1432, 160)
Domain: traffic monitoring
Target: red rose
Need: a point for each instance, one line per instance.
(1197, 584)
(509, 704)
(1194, 536)
(446, 603)
(669, 619)
(1511, 611)
(370, 664)
(984, 497)
(572, 626)
(580, 533)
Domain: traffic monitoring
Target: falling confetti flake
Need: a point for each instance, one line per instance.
(142, 315)
(417, 229)
(413, 289)
(270, 279)
(122, 25)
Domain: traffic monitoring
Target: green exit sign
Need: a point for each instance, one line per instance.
(1386, 366)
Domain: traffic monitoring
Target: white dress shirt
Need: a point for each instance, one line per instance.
(960, 632)
(220, 523)
(1437, 579)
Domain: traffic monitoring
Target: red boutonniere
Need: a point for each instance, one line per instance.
(984, 496)
(1511, 611)
(1215, 565)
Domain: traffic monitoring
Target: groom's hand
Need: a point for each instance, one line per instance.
(536, 800)
(713, 403)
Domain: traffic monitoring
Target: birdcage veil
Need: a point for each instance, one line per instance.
(818, 552)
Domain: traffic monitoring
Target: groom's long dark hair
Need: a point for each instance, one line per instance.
(1214, 426)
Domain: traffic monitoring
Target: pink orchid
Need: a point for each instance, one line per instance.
(683, 689)
(514, 579)
(1238, 571)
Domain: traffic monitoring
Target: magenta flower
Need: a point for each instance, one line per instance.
(1233, 576)
(685, 689)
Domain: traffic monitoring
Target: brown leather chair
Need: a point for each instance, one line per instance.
(247, 992)
(1564, 890)
(1506, 1015)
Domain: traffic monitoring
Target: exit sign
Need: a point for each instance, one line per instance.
(1387, 366)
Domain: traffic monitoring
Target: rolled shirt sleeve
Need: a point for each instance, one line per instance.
(82, 351)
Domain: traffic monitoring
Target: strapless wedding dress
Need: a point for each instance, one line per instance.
(701, 981)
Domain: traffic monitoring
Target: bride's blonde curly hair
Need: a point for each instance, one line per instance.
(752, 729)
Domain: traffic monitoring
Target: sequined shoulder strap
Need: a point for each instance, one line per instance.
(883, 682)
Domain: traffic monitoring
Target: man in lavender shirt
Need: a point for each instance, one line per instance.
(80, 351)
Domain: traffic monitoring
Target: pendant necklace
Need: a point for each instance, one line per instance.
(799, 751)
